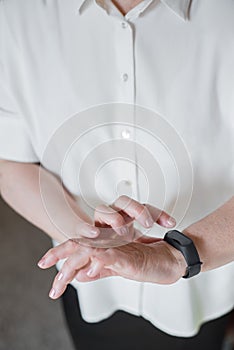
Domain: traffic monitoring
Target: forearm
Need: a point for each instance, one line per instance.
(214, 237)
(149, 259)
(20, 188)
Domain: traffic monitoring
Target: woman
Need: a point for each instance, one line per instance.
(59, 59)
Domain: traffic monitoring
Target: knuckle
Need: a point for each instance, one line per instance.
(87, 250)
(52, 253)
(138, 208)
(72, 243)
(144, 211)
(68, 265)
(118, 220)
(110, 251)
(124, 202)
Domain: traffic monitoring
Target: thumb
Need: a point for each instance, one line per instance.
(113, 260)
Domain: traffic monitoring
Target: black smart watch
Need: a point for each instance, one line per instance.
(184, 244)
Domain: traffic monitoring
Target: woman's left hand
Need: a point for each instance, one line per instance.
(146, 260)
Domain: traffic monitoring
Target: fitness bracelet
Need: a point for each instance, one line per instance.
(184, 244)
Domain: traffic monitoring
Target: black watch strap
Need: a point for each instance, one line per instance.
(183, 243)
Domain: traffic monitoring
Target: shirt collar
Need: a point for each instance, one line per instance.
(179, 7)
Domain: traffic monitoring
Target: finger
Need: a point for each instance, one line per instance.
(56, 291)
(126, 261)
(95, 268)
(57, 253)
(107, 215)
(68, 272)
(109, 259)
(83, 277)
(84, 229)
(161, 217)
(135, 210)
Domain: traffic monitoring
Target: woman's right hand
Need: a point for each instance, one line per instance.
(120, 217)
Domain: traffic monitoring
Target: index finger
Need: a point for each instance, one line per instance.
(135, 210)
(62, 251)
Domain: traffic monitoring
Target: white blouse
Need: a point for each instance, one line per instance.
(71, 73)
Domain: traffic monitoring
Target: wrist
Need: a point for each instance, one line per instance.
(166, 263)
(199, 244)
(180, 263)
(188, 249)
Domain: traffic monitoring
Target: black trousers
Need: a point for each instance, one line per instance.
(123, 331)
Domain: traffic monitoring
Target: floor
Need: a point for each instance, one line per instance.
(29, 320)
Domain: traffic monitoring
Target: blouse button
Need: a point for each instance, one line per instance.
(125, 77)
(124, 25)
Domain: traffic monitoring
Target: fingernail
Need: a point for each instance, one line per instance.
(149, 222)
(41, 263)
(171, 221)
(60, 276)
(90, 272)
(95, 232)
(52, 293)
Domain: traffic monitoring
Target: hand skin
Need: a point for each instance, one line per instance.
(82, 257)
(20, 188)
(214, 236)
(126, 5)
(152, 262)
(148, 259)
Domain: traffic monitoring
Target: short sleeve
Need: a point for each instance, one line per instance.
(15, 138)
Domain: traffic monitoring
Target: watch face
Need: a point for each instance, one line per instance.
(179, 237)
(186, 246)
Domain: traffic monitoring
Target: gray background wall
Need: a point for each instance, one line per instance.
(29, 320)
